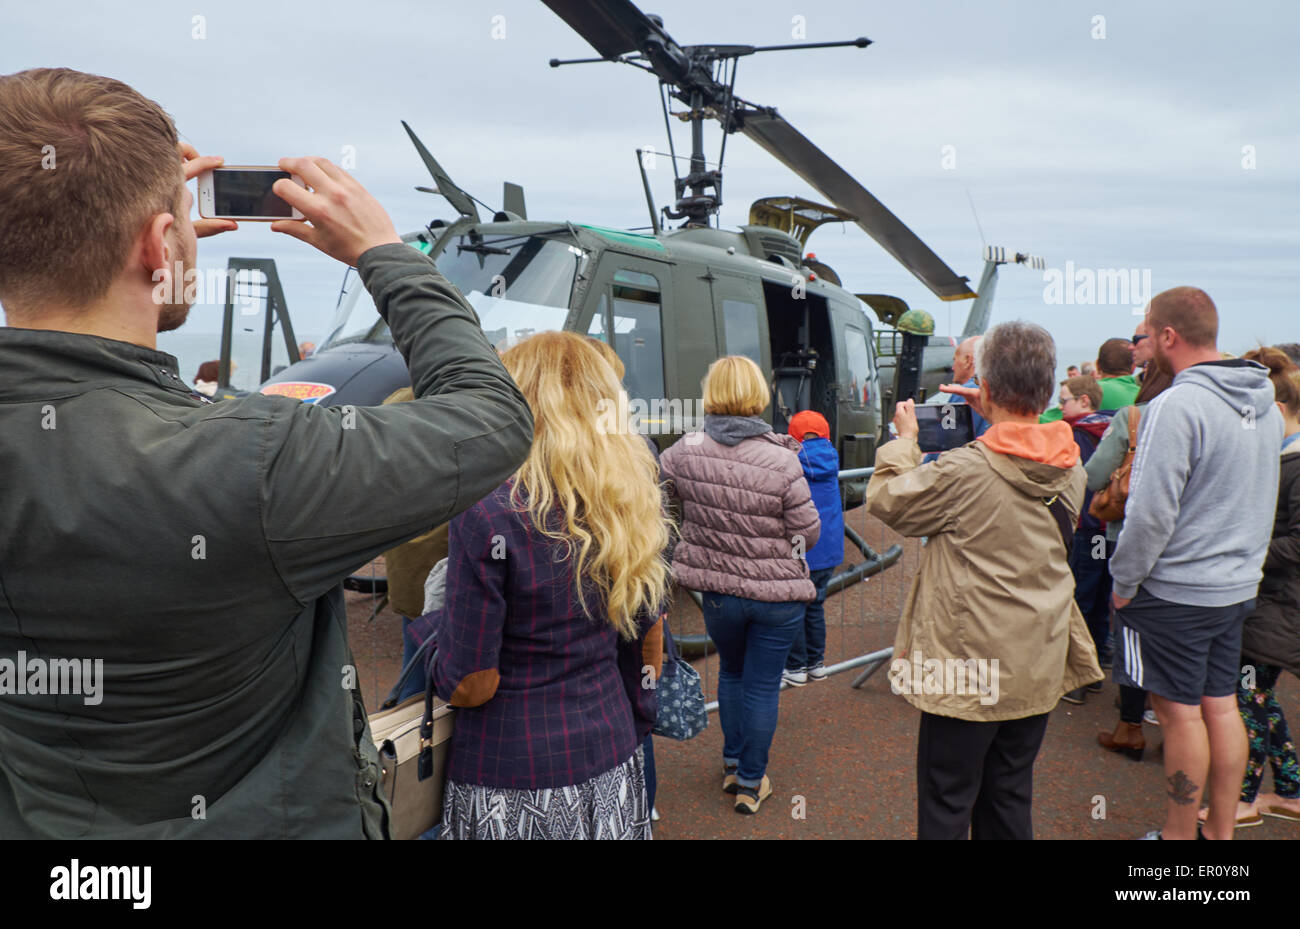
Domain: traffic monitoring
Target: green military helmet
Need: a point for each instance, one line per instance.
(916, 322)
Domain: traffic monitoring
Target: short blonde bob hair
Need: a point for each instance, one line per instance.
(735, 386)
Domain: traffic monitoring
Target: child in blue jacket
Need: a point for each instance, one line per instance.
(821, 467)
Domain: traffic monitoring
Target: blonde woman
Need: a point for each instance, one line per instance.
(555, 584)
(747, 520)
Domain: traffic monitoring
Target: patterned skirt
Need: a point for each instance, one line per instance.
(611, 805)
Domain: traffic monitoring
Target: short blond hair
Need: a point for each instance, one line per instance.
(735, 386)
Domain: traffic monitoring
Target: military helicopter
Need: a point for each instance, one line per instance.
(669, 300)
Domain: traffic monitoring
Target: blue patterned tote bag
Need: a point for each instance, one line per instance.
(681, 703)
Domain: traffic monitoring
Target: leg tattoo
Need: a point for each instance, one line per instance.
(1182, 789)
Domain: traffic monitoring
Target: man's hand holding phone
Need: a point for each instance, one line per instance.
(195, 164)
(342, 219)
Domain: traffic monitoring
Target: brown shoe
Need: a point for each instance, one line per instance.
(748, 799)
(1126, 738)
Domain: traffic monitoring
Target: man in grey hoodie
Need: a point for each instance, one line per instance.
(1188, 560)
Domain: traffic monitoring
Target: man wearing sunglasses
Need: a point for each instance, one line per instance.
(1141, 350)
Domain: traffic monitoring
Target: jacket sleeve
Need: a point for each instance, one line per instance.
(465, 666)
(668, 467)
(1109, 454)
(640, 664)
(1161, 468)
(1284, 550)
(911, 498)
(340, 484)
(800, 513)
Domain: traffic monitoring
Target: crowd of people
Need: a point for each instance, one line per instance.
(1183, 568)
(199, 550)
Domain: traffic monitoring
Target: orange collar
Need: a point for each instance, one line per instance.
(1050, 443)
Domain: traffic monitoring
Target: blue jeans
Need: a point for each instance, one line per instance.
(416, 682)
(809, 648)
(753, 639)
(1092, 586)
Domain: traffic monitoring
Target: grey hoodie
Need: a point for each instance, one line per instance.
(732, 430)
(1204, 488)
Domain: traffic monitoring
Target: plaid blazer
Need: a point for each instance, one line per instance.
(547, 696)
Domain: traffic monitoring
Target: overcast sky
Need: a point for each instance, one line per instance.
(1128, 151)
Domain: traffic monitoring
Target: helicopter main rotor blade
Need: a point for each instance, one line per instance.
(795, 151)
(611, 27)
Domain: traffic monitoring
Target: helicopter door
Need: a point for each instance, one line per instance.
(803, 354)
(632, 314)
(858, 398)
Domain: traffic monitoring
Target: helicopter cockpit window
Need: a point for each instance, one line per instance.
(355, 317)
(859, 362)
(637, 335)
(518, 285)
(740, 329)
(599, 321)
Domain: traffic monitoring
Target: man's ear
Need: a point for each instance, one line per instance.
(154, 249)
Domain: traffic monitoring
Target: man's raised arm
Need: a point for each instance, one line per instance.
(341, 485)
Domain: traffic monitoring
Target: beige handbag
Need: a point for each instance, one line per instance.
(413, 764)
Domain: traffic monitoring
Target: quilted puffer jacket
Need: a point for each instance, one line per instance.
(747, 515)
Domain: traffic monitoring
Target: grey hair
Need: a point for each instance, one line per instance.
(1017, 362)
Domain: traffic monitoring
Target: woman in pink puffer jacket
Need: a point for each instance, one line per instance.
(747, 521)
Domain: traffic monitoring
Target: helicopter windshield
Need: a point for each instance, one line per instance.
(518, 285)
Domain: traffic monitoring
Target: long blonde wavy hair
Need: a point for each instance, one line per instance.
(590, 466)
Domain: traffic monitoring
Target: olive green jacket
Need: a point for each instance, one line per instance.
(196, 549)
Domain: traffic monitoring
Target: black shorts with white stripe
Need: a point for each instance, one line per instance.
(1177, 651)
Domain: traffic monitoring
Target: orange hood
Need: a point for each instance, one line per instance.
(1050, 443)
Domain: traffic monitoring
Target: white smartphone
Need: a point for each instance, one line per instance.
(244, 192)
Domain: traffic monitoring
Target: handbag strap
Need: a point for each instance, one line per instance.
(1056, 506)
(424, 762)
(417, 660)
(1063, 522)
(1134, 414)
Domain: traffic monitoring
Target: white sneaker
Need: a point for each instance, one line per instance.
(795, 678)
(1150, 717)
(654, 814)
(818, 673)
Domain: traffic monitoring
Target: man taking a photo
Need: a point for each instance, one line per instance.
(196, 550)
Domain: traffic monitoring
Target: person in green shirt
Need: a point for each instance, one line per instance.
(1114, 374)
